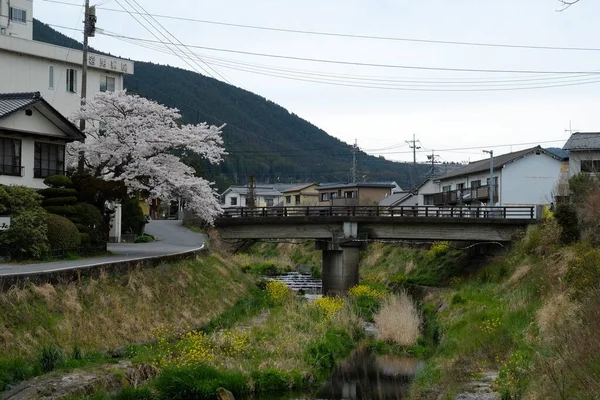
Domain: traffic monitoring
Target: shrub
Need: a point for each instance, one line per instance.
(365, 300)
(133, 220)
(18, 198)
(14, 370)
(27, 234)
(52, 192)
(323, 353)
(566, 215)
(584, 271)
(62, 233)
(93, 222)
(51, 357)
(438, 249)
(198, 382)
(144, 239)
(59, 201)
(398, 280)
(398, 320)
(267, 268)
(329, 305)
(58, 181)
(68, 211)
(273, 380)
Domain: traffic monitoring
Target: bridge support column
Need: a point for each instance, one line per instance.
(340, 270)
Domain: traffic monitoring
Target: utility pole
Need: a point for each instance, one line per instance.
(89, 30)
(432, 158)
(353, 170)
(491, 184)
(413, 145)
(251, 200)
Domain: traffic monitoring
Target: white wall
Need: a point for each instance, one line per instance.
(481, 176)
(575, 158)
(35, 123)
(27, 161)
(15, 28)
(228, 198)
(529, 180)
(429, 187)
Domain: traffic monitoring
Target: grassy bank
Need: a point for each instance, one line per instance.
(71, 324)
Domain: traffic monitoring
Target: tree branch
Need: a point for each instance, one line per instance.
(566, 4)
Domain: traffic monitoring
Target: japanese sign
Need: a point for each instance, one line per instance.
(4, 222)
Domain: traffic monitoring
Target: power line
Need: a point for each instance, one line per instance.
(364, 64)
(352, 36)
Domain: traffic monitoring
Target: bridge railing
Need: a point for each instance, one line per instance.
(507, 212)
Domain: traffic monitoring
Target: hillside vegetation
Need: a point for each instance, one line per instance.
(262, 137)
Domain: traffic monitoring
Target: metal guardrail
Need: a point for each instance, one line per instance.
(507, 212)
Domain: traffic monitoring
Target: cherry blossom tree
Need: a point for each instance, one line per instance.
(135, 140)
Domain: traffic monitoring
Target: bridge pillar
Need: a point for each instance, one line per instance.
(340, 265)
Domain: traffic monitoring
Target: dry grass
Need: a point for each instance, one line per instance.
(398, 320)
(113, 311)
(554, 313)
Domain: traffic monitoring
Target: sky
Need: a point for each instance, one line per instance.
(455, 124)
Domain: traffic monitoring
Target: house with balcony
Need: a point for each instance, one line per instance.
(33, 136)
(525, 177)
(584, 153)
(414, 197)
(354, 194)
(305, 194)
(264, 195)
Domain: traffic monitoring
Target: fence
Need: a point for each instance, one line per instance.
(512, 212)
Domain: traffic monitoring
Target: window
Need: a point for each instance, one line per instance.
(288, 199)
(495, 181)
(49, 160)
(71, 80)
(233, 201)
(350, 194)
(269, 202)
(324, 196)
(429, 199)
(18, 15)
(590, 165)
(297, 199)
(476, 184)
(460, 186)
(334, 195)
(107, 84)
(446, 188)
(10, 157)
(51, 77)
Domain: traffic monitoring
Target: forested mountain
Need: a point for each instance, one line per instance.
(262, 138)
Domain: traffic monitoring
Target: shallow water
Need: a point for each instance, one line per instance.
(363, 376)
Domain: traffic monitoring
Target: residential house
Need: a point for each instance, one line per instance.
(264, 195)
(584, 153)
(525, 177)
(305, 194)
(353, 194)
(415, 197)
(54, 71)
(33, 136)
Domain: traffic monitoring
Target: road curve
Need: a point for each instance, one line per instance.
(172, 238)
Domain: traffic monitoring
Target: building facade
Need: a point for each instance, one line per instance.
(354, 194)
(584, 153)
(301, 195)
(264, 196)
(54, 71)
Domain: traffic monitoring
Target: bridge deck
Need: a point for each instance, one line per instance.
(402, 223)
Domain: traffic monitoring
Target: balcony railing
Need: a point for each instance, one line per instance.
(12, 170)
(467, 195)
(46, 172)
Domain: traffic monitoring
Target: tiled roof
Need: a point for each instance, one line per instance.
(258, 190)
(583, 141)
(13, 102)
(298, 188)
(499, 161)
(388, 185)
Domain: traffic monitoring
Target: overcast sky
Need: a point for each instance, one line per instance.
(383, 118)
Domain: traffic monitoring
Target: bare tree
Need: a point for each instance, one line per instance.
(564, 4)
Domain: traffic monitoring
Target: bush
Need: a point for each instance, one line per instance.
(566, 215)
(144, 239)
(27, 234)
(365, 300)
(68, 211)
(18, 198)
(398, 320)
(133, 220)
(198, 382)
(323, 353)
(59, 201)
(62, 233)
(51, 357)
(278, 292)
(93, 223)
(273, 380)
(51, 193)
(58, 181)
(14, 370)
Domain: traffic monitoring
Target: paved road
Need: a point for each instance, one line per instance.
(172, 238)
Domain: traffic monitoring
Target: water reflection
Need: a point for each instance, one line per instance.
(364, 376)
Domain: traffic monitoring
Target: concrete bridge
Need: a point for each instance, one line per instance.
(342, 231)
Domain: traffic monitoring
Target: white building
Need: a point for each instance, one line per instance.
(54, 71)
(584, 153)
(33, 136)
(264, 195)
(526, 177)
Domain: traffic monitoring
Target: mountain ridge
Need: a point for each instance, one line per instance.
(261, 137)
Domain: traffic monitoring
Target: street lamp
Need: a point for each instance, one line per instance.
(491, 184)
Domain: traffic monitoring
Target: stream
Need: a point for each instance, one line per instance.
(363, 375)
